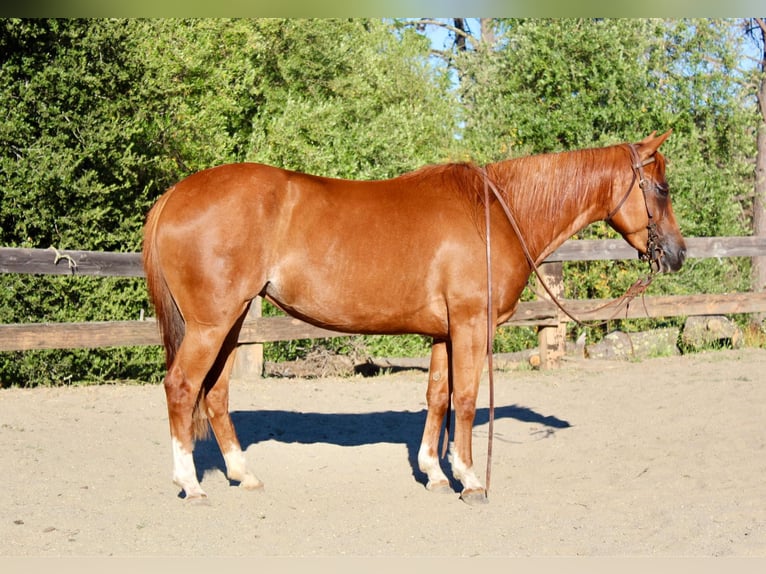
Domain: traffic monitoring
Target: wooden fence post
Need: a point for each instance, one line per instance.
(248, 363)
(552, 340)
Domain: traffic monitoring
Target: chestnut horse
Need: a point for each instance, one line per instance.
(404, 255)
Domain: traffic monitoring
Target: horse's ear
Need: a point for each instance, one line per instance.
(651, 143)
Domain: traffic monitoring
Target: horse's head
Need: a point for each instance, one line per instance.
(641, 210)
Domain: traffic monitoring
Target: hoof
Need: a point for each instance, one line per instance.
(198, 500)
(441, 487)
(474, 496)
(251, 483)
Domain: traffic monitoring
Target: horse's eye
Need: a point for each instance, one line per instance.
(662, 189)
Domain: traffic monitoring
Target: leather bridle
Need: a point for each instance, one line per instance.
(654, 253)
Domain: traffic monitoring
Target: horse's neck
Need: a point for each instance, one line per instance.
(549, 203)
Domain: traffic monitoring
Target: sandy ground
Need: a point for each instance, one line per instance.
(664, 457)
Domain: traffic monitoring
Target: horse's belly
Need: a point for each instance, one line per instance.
(361, 305)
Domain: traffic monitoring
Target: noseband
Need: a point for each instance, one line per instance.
(654, 252)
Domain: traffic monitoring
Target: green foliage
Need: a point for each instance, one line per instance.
(76, 170)
(347, 98)
(99, 116)
(573, 83)
(562, 84)
(69, 158)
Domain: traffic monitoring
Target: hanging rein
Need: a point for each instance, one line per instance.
(652, 255)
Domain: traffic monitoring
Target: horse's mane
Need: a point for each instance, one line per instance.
(552, 187)
(546, 184)
(542, 184)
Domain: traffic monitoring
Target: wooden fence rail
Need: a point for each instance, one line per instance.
(31, 336)
(542, 313)
(68, 262)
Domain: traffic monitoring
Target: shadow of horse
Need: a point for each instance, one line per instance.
(348, 429)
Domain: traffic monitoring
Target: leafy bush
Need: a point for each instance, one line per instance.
(100, 116)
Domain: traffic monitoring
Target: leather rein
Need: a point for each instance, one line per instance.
(652, 256)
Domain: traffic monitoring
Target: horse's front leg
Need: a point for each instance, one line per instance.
(468, 353)
(437, 397)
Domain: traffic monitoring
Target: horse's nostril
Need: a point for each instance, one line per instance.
(677, 261)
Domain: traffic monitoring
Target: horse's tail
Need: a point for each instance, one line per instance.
(169, 319)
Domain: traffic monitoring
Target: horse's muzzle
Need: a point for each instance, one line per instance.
(664, 254)
(665, 258)
(674, 260)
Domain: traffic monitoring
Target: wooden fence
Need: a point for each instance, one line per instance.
(257, 330)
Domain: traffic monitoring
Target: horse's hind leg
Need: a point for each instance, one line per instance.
(217, 408)
(183, 383)
(437, 397)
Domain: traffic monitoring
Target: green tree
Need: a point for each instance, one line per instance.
(344, 98)
(546, 85)
(560, 84)
(101, 116)
(348, 98)
(75, 173)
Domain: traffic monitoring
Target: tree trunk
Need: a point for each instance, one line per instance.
(487, 32)
(759, 197)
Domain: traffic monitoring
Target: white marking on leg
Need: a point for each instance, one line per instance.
(184, 472)
(236, 469)
(464, 473)
(429, 464)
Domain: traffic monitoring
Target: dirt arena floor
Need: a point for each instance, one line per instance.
(665, 457)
